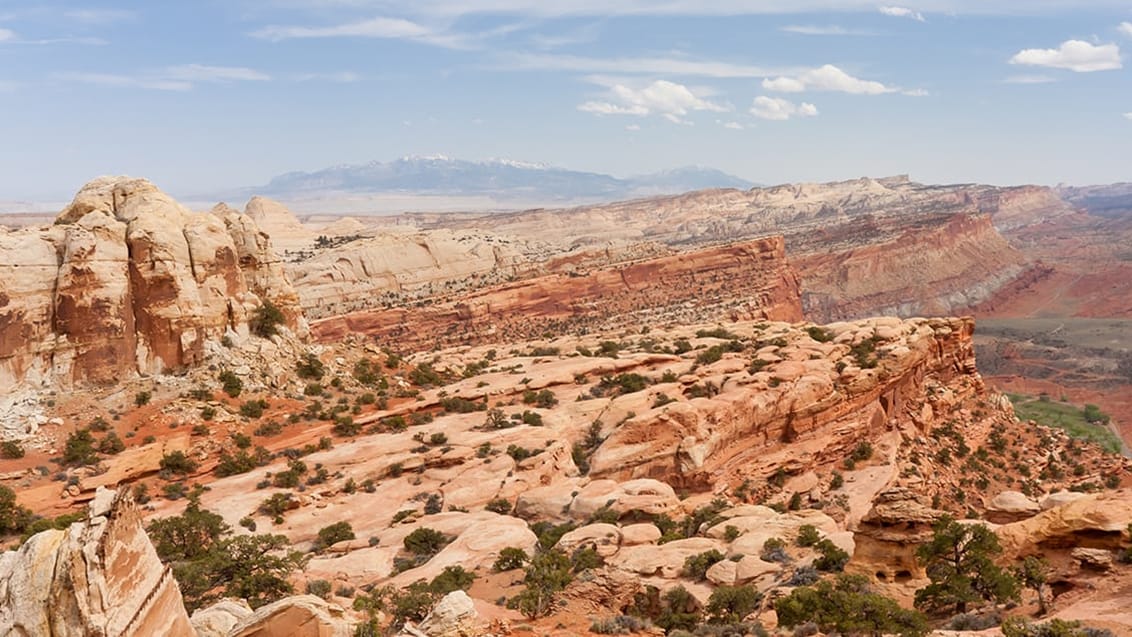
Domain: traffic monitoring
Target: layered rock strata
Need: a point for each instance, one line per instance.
(742, 281)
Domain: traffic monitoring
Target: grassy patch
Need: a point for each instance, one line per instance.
(1064, 416)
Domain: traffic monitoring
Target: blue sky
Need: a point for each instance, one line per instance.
(205, 95)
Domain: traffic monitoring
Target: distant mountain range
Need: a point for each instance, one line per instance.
(500, 179)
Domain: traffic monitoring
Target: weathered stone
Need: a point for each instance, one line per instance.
(99, 577)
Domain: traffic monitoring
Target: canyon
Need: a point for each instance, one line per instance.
(634, 384)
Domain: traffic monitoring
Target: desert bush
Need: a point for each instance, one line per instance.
(510, 558)
(696, 566)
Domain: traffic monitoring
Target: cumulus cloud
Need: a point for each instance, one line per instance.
(1073, 55)
(1128, 116)
(731, 125)
(902, 12)
(668, 99)
(1125, 28)
(826, 78)
(778, 109)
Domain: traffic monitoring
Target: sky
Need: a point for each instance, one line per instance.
(205, 95)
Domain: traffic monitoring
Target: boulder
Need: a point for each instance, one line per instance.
(220, 618)
(1010, 506)
(298, 616)
(1096, 559)
(453, 616)
(604, 538)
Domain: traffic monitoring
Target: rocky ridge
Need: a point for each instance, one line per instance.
(744, 280)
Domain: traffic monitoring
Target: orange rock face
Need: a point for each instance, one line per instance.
(127, 281)
(749, 280)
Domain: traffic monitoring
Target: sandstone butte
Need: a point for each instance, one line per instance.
(726, 397)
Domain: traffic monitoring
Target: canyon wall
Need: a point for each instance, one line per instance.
(937, 269)
(126, 282)
(740, 281)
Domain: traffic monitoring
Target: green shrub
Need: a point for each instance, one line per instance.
(425, 541)
(231, 383)
(319, 587)
(696, 566)
(335, 533)
(807, 535)
(452, 578)
(142, 398)
(79, 449)
(730, 604)
(502, 506)
(176, 462)
(510, 558)
(266, 319)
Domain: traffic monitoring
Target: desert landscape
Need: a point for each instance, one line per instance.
(470, 424)
(515, 318)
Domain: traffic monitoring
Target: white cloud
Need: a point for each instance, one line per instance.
(381, 28)
(341, 77)
(204, 73)
(99, 16)
(778, 109)
(730, 125)
(7, 34)
(1128, 116)
(125, 81)
(174, 78)
(633, 127)
(812, 29)
(826, 78)
(633, 66)
(1125, 28)
(902, 12)
(1074, 55)
(668, 99)
(1030, 79)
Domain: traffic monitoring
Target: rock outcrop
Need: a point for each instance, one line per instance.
(813, 392)
(127, 281)
(743, 281)
(298, 616)
(99, 577)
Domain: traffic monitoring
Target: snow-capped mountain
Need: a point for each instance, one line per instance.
(498, 178)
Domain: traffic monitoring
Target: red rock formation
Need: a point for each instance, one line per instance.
(931, 268)
(695, 442)
(127, 281)
(747, 280)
